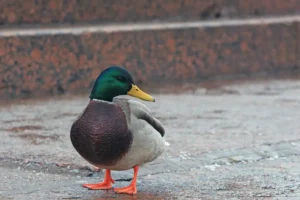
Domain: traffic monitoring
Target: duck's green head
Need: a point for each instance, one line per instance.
(115, 81)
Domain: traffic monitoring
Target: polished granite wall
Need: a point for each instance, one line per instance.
(67, 63)
(95, 11)
(60, 63)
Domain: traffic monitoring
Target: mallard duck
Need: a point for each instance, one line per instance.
(115, 133)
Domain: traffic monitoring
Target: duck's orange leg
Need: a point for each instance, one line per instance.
(105, 185)
(131, 189)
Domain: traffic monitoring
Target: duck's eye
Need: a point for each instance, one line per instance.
(121, 78)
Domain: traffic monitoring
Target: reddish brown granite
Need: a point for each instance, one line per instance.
(105, 11)
(68, 63)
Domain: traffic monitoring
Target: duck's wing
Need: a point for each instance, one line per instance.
(140, 111)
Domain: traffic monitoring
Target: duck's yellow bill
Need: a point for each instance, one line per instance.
(138, 93)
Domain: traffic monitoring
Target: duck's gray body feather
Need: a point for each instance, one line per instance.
(147, 132)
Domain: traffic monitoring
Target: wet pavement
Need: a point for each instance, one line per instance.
(240, 141)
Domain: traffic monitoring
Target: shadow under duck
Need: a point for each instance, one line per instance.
(117, 133)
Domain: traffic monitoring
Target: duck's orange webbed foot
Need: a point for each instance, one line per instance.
(105, 185)
(131, 189)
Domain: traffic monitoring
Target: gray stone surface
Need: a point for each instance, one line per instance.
(239, 141)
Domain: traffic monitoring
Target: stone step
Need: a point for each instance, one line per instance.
(16, 12)
(68, 59)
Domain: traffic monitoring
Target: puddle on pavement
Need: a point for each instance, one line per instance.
(24, 128)
(36, 139)
(66, 115)
(33, 138)
(20, 120)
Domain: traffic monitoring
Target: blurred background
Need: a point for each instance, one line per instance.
(56, 47)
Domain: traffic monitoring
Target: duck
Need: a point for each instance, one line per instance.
(117, 133)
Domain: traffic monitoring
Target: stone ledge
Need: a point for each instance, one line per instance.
(16, 12)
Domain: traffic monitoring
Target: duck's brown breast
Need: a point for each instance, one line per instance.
(100, 134)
